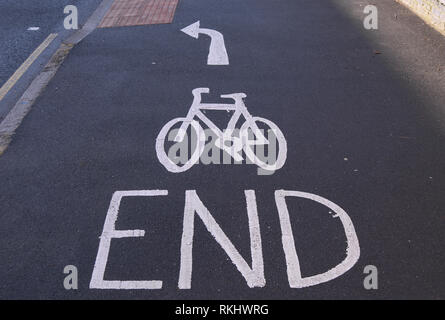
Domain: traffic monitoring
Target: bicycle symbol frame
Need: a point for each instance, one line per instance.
(238, 144)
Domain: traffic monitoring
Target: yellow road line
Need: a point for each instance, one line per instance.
(25, 65)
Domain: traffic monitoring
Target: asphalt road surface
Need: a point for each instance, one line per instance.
(362, 113)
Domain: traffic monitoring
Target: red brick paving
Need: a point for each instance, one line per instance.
(139, 12)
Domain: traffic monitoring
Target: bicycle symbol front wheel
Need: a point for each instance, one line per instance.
(170, 165)
(249, 147)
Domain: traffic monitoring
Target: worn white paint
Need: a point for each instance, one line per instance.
(160, 141)
(217, 52)
(255, 275)
(296, 280)
(109, 232)
(239, 109)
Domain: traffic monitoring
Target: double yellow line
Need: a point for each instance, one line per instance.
(25, 65)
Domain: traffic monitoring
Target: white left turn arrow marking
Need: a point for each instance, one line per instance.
(217, 52)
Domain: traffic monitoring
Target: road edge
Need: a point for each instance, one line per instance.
(16, 115)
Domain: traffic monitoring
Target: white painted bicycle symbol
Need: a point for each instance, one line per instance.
(226, 141)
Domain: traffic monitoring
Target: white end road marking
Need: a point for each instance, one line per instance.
(255, 275)
(109, 232)
(293, 265)
(217, 52)
(25, 65)
(33, 29)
